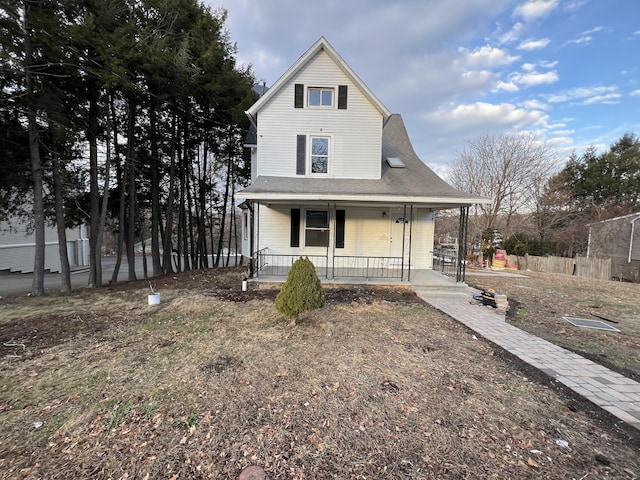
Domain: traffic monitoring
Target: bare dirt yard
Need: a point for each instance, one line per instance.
(377, 384)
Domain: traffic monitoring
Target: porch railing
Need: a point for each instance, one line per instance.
(270, 264)
(444, 263)
(368, 267)
(339, 266)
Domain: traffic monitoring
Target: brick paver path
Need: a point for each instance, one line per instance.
(611, 391)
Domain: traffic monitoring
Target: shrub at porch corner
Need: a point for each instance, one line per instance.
(302, 290)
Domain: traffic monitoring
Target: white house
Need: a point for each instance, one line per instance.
(335, 178)
(17, 247)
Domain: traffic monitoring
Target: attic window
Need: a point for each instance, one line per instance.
(320, 97)
(395, 162)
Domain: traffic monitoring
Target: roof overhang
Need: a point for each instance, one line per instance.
(438, 203)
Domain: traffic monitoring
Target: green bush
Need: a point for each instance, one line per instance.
(302, 290)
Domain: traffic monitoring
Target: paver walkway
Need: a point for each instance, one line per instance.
(611, 391)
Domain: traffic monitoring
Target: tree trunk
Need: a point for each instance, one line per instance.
(131, 167)
(224, 203)
(94, 196)
(155, 193)
(37, 287)
(58, 198)
(167, 242)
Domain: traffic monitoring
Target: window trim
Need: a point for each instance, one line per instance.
(326, 229)
(321, 90)
(309, 159)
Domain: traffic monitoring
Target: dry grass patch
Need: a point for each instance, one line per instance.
(367, 388)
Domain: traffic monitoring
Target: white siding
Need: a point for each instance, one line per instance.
(17, 248)
(356, 132)
(366, 232)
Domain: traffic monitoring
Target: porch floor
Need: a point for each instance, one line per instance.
(423, 280)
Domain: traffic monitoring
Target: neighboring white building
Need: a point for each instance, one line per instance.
(17, 247)
(335, 178)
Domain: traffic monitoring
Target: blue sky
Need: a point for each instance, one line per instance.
(566, 70)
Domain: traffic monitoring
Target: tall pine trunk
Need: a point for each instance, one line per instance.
(37, 287)
(58, 198)
(131, 211)
(167, 241)
(155, 193)
(95, 257)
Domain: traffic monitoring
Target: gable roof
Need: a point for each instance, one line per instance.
(320, 45)
(415, 184)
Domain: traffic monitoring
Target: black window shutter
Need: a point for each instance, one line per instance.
(298, 101)
(342, 97)
(339, 228)
(295, 227)
(301, 155)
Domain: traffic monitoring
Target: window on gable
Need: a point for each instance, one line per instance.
(316, 232)
(320, 97)
(319, 155)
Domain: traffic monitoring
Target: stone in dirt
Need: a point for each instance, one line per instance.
(253, 472)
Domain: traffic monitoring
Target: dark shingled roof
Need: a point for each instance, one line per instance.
(416, 183)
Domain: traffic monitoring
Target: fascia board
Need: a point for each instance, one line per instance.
(280, 198)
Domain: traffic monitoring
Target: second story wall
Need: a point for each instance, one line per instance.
(288, 132)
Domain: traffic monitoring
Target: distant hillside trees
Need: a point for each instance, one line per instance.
(506, 168)
(146, 97)
(540, 212)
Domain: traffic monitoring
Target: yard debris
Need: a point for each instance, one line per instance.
(563, 444)
(603, 317)
(490, 298)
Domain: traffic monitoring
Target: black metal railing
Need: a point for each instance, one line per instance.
(368, 267)
(277, 265)
(444, 263)
(339, 266)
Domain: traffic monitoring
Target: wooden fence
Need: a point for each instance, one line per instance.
(595, 268)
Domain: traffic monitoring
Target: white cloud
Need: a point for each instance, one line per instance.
(607, 98)
(535, 78)
(512, 35)
(528, 79)
(485, 116)
(486, 56)
(635, 93)
(585, 95)
(545, 64)
(534, 44)
(534, 9)
(574, 5)
(586, 36)
(535, 105)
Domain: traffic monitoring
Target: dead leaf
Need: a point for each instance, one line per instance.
(533, 463)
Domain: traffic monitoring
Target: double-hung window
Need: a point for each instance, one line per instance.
(320, 97)
(316, 228)
(316, 232)
(319, 155)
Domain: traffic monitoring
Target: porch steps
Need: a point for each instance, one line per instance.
(453, 290)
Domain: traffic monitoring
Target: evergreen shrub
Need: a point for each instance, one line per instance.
(302, 291)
